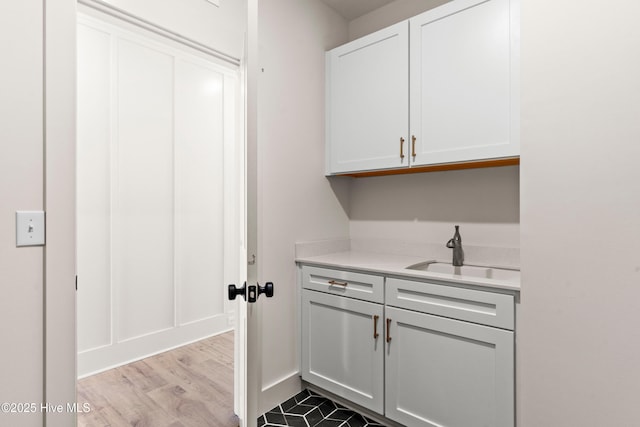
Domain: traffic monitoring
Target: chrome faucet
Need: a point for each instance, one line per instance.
(455, 243)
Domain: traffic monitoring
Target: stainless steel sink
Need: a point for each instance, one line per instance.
(478, 271)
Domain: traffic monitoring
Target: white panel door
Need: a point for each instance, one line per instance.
(367, 102)
(464, 79)
(144, 210)
(340, 351)
(442, 372)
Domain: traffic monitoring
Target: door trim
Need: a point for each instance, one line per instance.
(59, 203)
(130, 18)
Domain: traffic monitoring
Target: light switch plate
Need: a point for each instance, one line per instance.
(30, 228)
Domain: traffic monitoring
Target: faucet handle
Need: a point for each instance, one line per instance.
(451, 244)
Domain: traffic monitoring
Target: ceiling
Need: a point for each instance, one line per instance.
(352, 9)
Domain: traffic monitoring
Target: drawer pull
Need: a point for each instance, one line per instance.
(375, 326)
(413, 146)
(333, 282)
(401, 148)
(388, 332)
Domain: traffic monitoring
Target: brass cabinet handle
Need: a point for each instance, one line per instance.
(388, 333)
(375, 326)
(413, 146)
(401, 148)
(333, 282)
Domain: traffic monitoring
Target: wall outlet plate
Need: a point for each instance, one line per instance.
(30, 228)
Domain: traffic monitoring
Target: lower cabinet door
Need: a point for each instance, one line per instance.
(447, 373)
(340, 350)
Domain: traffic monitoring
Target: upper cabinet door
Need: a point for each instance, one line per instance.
(464, 82)
(367, 102)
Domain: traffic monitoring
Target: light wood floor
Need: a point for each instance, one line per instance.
(191, 386)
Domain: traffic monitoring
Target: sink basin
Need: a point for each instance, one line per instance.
(478, 271)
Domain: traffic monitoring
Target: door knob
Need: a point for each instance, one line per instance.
(254, 291)
(234, 291)
(251, 293)
(267, 289)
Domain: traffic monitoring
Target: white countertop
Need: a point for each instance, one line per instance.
(396, 265)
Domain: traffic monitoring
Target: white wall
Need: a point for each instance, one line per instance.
(579, 341)
(296, 202)
(21, 188)
(219, 27)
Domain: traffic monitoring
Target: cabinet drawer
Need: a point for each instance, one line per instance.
(366, 287)
(486, 308)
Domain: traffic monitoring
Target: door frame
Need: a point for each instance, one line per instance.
(252, 342)
(59, 204)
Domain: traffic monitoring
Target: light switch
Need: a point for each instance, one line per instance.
(30, 228)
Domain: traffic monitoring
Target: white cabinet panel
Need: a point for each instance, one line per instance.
(464, 82)
(367, 102)
(94, 188)
(339, 351)
(199, 146)
(446, 373)
(144, 210)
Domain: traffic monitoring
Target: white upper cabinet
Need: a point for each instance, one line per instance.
(442, 87)
(464, 82)
(368, 102)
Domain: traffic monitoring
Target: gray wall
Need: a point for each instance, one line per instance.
(21, 188)
(579, 341)
(295, 201)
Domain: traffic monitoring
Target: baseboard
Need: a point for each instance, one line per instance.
(100, 359)
(279, 391)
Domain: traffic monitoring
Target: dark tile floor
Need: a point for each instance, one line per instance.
(308, 409)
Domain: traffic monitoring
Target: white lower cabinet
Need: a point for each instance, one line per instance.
(442, 372)
(340, 351)
(432, 355)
